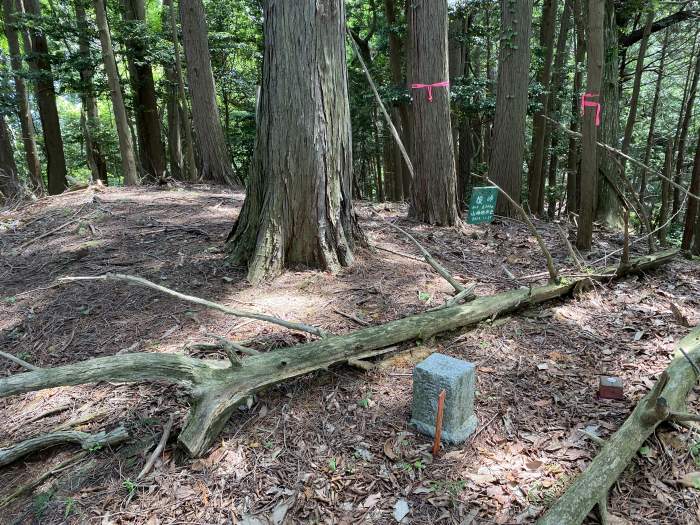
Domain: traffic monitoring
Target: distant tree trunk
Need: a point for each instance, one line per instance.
(151, 151)
(573, 179)
(606, 203)
(126, 146)
(491, 86)
(433, 199)
(46, 100)
(652, 122)
(90, 116)
(554, 105)
(665, 194)
(378, 158)
(695, 249)
(544, 75)
(461, 131)
(298, 209)
(508, 142)
(691, 213)
(10, 186)
(589, 164)
(23, 110)
(215, 164)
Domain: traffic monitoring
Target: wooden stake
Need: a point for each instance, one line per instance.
(438, 422)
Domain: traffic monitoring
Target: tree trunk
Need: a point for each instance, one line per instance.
(90, 115)
(589, 165)
(554, 105)
(126, 146)
(508, 141)
(152, 155)
(573, 178)
(23, 109)
(695, 249)
(606, 204)
(215, 164)
(544, 75)
(175, 153)
(10, 187)
(433, 199)
(665, 194)
(298, 209)
(652, 122)
(692, 209)
(46, 100)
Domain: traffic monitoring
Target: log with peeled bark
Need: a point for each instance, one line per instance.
(217, 387)
(666, 401)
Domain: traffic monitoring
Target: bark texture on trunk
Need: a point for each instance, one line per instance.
(665, 195)
(126, 146)
(151, 151)
(46, 100)
(544, 75)
(23, 109)
(508, 141)
(213, 154)
(298, 208)
(589, 164)
(573, 176)
(692, 210)
(10, 186)
(433, 199)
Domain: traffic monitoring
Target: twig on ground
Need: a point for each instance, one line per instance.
(18, 361)
(158, 450)
(197, 300)
(570, 249)
(72, 220)
(351, 317)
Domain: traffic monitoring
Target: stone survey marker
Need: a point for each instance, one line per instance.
(458, 378)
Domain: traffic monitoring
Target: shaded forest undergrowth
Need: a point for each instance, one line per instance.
(332, 447)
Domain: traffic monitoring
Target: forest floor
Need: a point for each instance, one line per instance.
(335, 446)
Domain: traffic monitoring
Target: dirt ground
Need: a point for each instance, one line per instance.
(333, 447)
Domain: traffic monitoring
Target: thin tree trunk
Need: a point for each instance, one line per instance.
(152, 155)
(126, 146)
(46, 100)
(175, 156)
(23, 109)
(652, 122)
(692, 210)
(378, 158)
(298, 209)
(10, 187)
(215, 164)
(544, 75)
(665, 194)
(573, 179)
(90, 115)
(508, 142)
(589, 163)
(433, 199)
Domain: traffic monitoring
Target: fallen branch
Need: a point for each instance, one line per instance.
(86, 441)
(158, 450)
(17, 360)
(216, 387)
(72, 220)
(197, 300)
(663, 403)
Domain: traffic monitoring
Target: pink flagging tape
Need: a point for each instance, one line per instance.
(430, 87)
(585, 103)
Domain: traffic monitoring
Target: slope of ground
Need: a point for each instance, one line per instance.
(332, 447)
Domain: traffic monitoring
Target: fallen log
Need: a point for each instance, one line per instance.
(217, 387)
(666, 401)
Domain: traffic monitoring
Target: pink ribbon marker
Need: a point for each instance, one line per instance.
(430, 88)
(585, 103)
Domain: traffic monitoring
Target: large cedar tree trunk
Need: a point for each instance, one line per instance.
(589, 164)
(298, 207)
(126, 146)
(508, 142)
(215, 164)
(433, 199)
(23, 109)
(46, 100)
(151, 151)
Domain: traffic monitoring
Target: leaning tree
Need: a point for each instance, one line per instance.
(298, 206)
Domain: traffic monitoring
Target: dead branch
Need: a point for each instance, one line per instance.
(85, 440)
(570, 249)
(18, 361)
(667, 398)
(197, 300)
(158, 450)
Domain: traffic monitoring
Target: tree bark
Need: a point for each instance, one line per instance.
(175, 153)
(692, 209)
(152, 155)
(46, 100)
(589, 154)
(573, 178)
(90, 115)
(508, 141)
(658, 25)
(126, 146)
(433, 199)
(215, 164)
(544, 75)
(23, 108)
(665, 194)
(298, 209)
(10, 187)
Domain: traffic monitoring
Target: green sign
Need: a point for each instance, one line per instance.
(482, 204)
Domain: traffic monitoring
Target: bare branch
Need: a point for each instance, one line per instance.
(19, 361)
